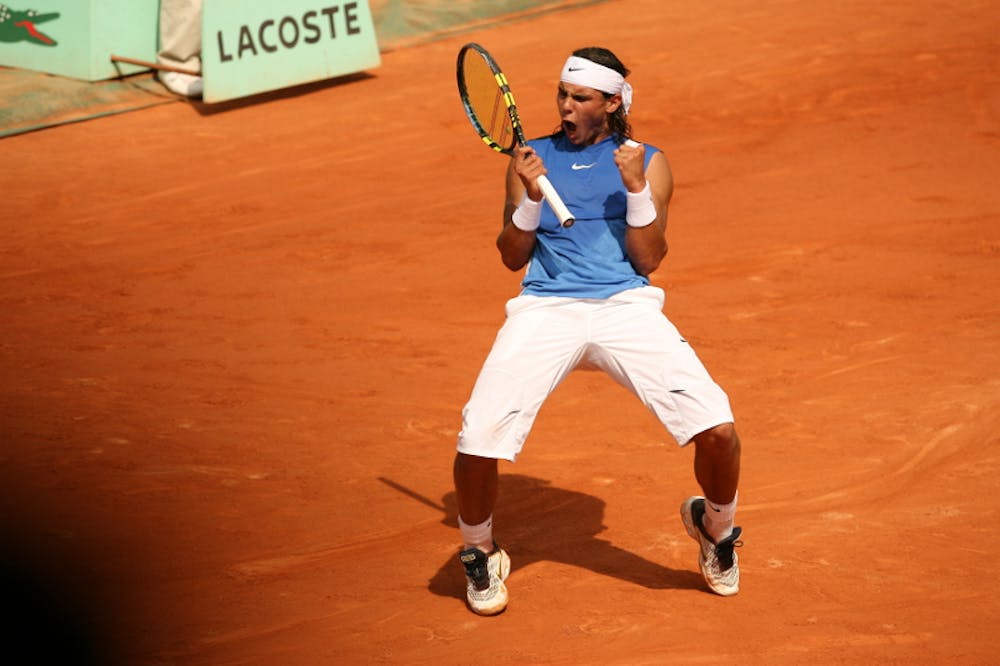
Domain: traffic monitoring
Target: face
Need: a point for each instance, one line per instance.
(584, 113)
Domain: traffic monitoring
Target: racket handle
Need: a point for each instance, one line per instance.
(565, 217)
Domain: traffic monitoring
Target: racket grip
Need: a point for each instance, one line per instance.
(565, 217)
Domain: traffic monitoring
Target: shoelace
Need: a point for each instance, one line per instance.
(478, 571)
(724, 550)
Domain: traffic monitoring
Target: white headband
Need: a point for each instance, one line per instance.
(582, 72)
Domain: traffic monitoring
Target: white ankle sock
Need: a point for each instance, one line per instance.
(477, 536)
(718, 520)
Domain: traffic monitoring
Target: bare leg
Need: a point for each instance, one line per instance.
(475, 487)
(710, 521)
(486, 564)
(717, 462)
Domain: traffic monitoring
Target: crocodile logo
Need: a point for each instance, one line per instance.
(19, 26)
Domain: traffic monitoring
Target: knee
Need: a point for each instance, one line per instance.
(720, 440)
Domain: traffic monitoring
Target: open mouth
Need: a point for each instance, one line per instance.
(33, 31)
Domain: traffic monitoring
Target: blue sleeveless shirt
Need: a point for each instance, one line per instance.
(586, 260)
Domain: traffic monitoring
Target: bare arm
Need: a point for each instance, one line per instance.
(516, 245)
(646, 246)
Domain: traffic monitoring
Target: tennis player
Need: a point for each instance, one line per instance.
(586, 302)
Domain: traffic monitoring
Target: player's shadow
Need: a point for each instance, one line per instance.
(538, 521)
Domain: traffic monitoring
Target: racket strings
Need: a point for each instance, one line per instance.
(488, 101)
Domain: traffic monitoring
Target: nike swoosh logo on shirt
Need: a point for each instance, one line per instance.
(577, 167)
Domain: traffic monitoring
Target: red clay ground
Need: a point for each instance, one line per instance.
(235, 343)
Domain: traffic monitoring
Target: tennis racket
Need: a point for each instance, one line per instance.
(489, 103)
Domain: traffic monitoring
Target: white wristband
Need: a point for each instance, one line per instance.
(640, 210)
(528, 214)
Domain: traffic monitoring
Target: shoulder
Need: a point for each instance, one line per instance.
(659, 175)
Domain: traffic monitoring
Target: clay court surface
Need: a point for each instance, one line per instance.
(235, 343)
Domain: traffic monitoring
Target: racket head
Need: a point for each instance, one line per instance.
(488, 100)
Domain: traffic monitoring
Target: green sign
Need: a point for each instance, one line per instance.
(21, 25)
(252, 46)
(77, 38)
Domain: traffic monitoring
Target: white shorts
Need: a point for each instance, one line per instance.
(627, 336)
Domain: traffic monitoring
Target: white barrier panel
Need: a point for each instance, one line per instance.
(250, 47)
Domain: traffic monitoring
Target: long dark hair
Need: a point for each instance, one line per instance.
(618, 121)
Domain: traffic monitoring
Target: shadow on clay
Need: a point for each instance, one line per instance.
(536, 522)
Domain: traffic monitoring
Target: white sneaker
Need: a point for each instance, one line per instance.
(718, 561)
(182, 84)
(485, 575)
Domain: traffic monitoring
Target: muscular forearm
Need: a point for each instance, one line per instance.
(646, 247)
(515, 245)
